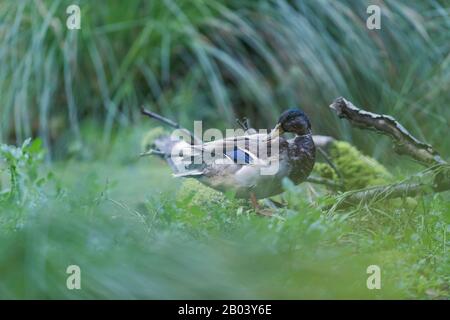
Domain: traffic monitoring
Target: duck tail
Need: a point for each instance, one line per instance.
(160, 144)
(164, 145)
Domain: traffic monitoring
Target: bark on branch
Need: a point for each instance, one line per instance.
(173, 124)
(405, 143)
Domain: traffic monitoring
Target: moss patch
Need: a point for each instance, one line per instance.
(325, 171)
(194, 193)
(357, 170)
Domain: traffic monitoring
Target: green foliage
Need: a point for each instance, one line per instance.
(208, 207)
(136, 234)
(214, 60)
(22, 165)
(172, 249)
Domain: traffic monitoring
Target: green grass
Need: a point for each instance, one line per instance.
(215, 60)
(124, 223)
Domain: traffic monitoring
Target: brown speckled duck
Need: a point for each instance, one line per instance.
(240, 164)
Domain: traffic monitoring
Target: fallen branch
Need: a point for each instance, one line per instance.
(173, 124)
(324, 181)
(404, 142)
(392, 191)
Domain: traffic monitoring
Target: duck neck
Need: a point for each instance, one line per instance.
(302, 156)
(305, 142)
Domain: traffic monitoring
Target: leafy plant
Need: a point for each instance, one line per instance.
(22, 164)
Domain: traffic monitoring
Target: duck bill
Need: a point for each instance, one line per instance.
(276, 132)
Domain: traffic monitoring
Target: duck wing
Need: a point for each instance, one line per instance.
(244, 150)
(227, 157)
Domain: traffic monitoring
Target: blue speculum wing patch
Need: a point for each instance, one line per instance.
(239, 156)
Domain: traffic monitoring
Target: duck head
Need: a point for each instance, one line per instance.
(294, 121)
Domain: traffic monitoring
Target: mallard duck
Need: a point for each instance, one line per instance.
(238, 160)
